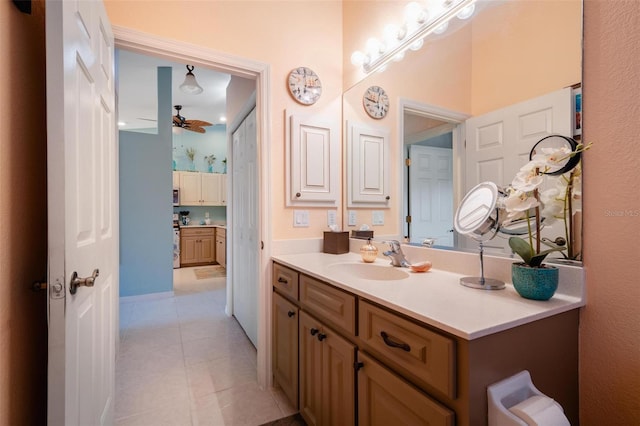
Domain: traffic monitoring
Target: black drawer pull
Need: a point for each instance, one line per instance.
(314, 331)
(283, 280)
(390, 342)
(291, 313)
(321, 337)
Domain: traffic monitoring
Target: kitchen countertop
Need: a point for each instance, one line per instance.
(436, 297)
(203, 226)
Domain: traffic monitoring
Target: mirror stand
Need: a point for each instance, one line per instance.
(481, 282)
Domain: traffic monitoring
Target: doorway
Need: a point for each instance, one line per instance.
(203, 57)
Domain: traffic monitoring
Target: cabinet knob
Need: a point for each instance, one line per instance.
(291, 313)
(314, 331)
(358, 365)
(387, 198)
(298, 195)
(321, 337)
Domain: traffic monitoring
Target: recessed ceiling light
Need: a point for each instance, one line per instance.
(223, 119)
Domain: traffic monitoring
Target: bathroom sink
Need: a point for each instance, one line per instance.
(370, 271)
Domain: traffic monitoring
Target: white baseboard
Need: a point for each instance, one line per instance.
(143, 297)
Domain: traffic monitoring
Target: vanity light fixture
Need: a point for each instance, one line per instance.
(190, 84)
(417, 26)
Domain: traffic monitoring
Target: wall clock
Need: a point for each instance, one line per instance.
(304, 85)
(376, 102)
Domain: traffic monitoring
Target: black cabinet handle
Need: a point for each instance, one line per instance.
(314, 331)
(389, 342)
(291, 313)
(282, 280)
(322, 336)
(358, 365)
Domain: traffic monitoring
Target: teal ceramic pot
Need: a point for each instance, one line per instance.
(534, 283)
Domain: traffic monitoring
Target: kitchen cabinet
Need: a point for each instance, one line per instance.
(368, 182)
(197, 246)
(221, 246)
(202, 189)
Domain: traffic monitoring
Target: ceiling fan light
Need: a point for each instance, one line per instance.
(190, 84)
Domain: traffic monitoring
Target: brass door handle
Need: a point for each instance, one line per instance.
(78, 282)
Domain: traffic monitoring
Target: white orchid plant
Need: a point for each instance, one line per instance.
(526, 200)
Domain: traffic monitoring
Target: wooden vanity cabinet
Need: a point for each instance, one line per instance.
(327, 375)
(285, 346)
(221, 246)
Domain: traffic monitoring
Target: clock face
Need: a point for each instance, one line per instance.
(305, 85)
(376, 102)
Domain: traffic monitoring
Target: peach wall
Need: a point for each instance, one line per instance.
(610, 323)
(23, 228)
(284, 34)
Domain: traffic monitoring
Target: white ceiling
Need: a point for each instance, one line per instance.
(138, 98)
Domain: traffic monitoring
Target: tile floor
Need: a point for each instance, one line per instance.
(182, 361)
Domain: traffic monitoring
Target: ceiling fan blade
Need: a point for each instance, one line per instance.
(196, 129)
(177, 121)
(198, 123)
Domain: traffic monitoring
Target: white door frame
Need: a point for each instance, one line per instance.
(174, 50)
(458, 133)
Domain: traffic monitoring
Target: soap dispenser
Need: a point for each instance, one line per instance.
(369, 252)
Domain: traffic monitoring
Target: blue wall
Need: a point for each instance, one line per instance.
(146, 238)
(213, 142)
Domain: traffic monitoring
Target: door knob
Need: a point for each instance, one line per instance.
(78, 282)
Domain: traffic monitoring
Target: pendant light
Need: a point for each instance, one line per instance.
(190, 84)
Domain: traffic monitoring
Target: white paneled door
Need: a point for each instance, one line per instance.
(82, 213)
(245, 237)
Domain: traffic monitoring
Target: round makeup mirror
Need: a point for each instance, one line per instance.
(478, 217)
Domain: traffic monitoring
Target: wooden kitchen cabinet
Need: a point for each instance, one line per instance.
(327, 375)
(221, 246)
(197, 246)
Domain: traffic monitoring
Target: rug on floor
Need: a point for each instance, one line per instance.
(210, 272)
(294, 420)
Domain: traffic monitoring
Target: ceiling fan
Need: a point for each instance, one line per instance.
(192, 125)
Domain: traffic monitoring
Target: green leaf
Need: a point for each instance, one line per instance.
(537, 260)
(521, 248)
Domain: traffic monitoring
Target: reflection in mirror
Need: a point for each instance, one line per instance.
(469, 85)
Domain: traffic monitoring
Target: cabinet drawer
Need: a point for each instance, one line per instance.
(285, 280)
(385, 399)
(416, 351)
(221, 232)
(331, 304)
(188, 232)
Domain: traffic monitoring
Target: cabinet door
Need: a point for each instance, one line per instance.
(190, 189)
(367, 166)
(285, 347)
(338, 380)
(211, 195)
(385, 399)
(176, 179)
(310, 370)
(313, 159)
(221, 251)
(207, 249)
(188, 250)
(223, 189)
(327, 377)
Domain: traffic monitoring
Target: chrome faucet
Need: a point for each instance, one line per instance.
(395, 254)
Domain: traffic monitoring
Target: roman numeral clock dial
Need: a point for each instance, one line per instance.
(376, 102)
(304, 85)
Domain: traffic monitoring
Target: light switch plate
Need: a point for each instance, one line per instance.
(353, 219)
(332, 217)
(301, 218)
(378, 217)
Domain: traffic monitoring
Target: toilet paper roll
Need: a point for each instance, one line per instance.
(540, 411)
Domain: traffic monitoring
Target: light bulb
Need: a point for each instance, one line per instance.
(358, 58)
(467, 11)
(441, 28)
(374, 48)
(398, 57)
(416, 45)
(414, 13)
(391, 34)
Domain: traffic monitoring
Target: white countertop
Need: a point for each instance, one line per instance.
(437, 298)
(203, 226)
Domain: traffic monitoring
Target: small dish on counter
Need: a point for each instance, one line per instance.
(421, 266)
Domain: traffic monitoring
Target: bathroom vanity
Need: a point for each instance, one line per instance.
(370, 344)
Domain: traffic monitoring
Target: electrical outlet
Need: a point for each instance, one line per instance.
(352, 218)
(332, 217)
(378, 217)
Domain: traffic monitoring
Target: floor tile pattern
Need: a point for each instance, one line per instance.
(182, 361)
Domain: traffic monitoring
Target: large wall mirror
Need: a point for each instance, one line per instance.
(451, 103)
